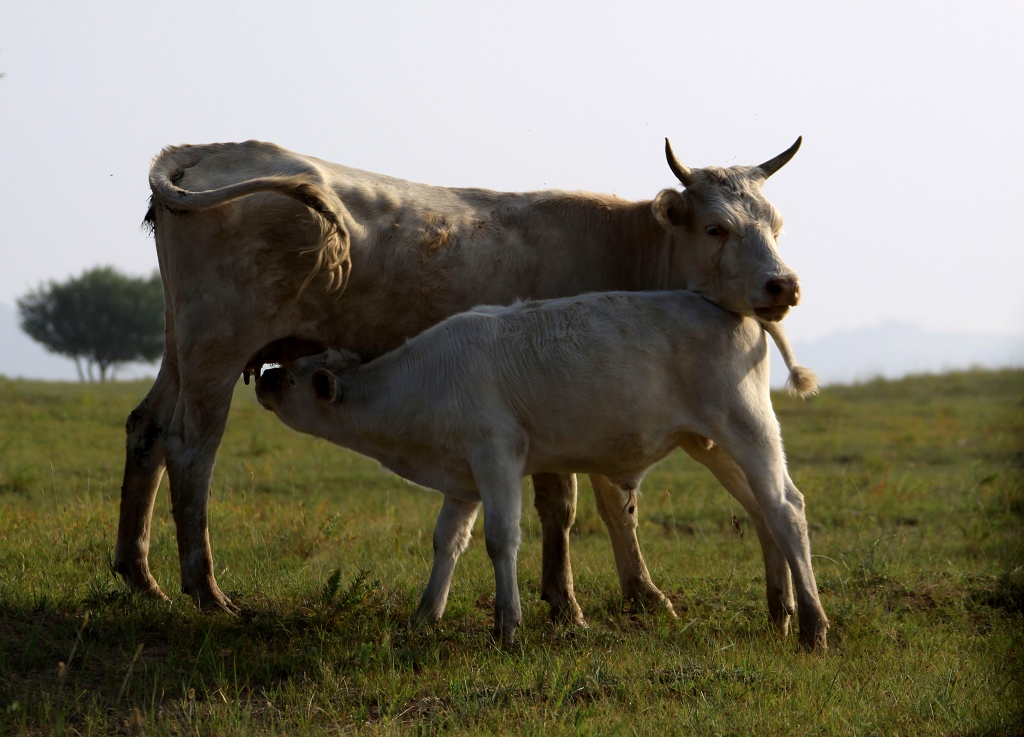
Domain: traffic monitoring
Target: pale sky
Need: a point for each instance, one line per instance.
(900, 205)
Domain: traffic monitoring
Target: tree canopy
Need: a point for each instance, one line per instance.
(102, 318)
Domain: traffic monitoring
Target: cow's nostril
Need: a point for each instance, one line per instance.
(783, 289)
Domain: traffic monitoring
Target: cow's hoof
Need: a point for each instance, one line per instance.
(780, 622)
(138, 579)
(567, 612)
(213, 600)
(813, 639)
(653, 601)
(225, 606)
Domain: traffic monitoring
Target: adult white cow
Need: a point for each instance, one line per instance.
(267, 255)
(604, 383)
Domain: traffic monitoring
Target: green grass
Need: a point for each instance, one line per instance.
(915, 497)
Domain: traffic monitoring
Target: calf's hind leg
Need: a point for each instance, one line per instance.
(498, 471)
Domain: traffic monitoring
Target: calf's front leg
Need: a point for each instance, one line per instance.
(778, 582)
(783, 507)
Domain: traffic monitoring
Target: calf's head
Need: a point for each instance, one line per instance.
(729, 232)
(302, 393)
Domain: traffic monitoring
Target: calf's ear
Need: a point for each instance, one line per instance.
(670, 208)
(325, 385)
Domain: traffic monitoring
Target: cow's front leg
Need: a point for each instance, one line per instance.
(191, 448)
(554, 496)
(145, 429)
(451, 537)
(617, 506)
(778, 582)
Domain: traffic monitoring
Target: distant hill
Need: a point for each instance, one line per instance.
(889, 350)
(895, 349)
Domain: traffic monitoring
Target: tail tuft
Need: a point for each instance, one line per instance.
(802, 382)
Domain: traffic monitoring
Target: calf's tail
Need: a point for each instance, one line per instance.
(802, 382)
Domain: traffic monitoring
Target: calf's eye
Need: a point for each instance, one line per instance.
(715, 230)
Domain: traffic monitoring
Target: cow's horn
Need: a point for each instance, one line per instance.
(773, 165)
(683, 174)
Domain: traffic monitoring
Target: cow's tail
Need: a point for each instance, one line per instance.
(802, 382)
(332, 249)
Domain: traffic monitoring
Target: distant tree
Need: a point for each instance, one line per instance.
(102, 319)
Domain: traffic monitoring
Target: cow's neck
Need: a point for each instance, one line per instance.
(645, 248)
(623, 236)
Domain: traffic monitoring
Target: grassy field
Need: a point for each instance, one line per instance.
(915, 494)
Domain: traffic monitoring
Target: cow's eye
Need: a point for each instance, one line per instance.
(715, 230)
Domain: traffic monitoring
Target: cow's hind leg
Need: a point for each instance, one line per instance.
(191, 449)
(451, 537)
(617, 506)
(777, 578)
(146, 430)
(554, 496)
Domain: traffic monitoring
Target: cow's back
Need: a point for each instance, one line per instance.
(422, 253)
(419, 253)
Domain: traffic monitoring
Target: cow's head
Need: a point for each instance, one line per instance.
(301, 393)
(729, 232)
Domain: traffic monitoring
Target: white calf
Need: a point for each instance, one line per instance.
(605, 383)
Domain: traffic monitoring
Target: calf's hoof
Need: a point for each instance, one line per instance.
(505, 636)
(425, 614)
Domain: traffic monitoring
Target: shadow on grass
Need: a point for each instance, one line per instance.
(114, 655)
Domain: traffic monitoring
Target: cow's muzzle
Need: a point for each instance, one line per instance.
(771, 314)
(783, 290)
(781, 293)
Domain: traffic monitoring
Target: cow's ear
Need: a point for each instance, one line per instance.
(325, 385)
(670, 208)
